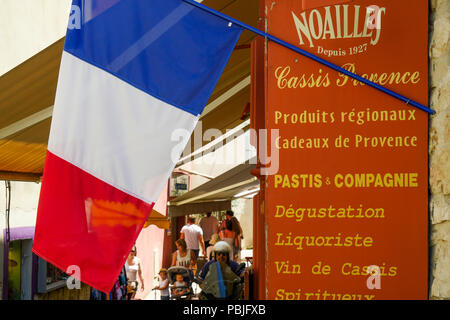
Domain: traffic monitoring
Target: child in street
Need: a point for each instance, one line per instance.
(163, 284)
(180, 285)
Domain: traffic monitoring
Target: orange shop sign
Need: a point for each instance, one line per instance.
(347, 211)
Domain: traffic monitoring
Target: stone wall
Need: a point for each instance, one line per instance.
(440, 149)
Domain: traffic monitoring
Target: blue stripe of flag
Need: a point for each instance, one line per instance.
(167, 48)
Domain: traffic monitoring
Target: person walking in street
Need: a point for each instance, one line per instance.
(193, 235)
(133, 269)
(210, 226)
(237, 229)
(183, 257)
(118, 292)
(163, 285)
(229, 237)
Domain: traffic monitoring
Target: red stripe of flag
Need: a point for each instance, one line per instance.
(86, 222)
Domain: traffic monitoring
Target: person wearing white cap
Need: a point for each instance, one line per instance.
(222, 252)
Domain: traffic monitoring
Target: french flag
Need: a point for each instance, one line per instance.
(132, 73)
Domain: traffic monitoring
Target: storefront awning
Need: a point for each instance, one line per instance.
(216, 195)
(158, 220)
(27, 94)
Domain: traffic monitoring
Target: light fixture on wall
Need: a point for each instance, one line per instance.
(8, 208)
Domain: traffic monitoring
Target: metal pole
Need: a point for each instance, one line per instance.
(310, 56)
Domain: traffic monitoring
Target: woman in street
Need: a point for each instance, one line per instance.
(183, 257)
(227, 235)
(133, 268)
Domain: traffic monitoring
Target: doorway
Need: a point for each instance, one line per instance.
(20, 264)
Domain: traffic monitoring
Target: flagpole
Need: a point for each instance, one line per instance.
(311, 56)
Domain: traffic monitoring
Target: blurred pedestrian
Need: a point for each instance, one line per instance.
(183, 257)
(237, 229)
(229, 237)
(133, 269)
(118, 291)
(163, 285)
(210, 226)
(193, 235)
(180, 286)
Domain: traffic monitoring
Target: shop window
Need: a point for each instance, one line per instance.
(50, 277)
(179, 184)
(54, 276)
(20, 272)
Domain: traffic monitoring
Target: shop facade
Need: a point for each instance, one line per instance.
(245, 98)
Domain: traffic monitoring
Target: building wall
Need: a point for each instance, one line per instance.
(29, 26)
(23, 209)
(440, 149)
(26, 27)
(24, 202)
